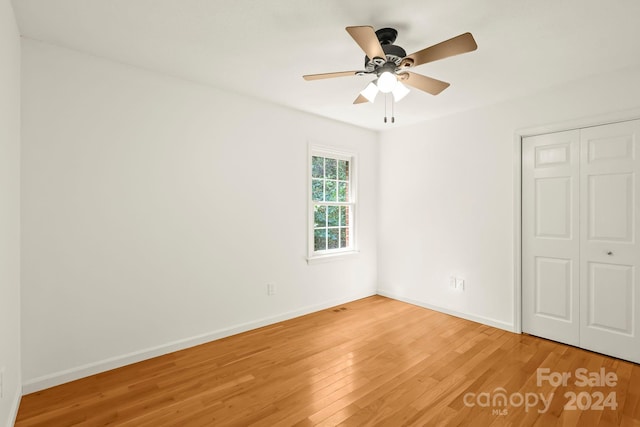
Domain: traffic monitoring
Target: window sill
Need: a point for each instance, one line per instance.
(320, 259)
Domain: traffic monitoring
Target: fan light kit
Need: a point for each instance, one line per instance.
(390, 64)
(387, 82)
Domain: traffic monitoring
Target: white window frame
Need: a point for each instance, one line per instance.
(332, 254)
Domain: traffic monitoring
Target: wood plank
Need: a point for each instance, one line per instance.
(374, 361)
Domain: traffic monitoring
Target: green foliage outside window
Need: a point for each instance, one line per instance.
(330, 183)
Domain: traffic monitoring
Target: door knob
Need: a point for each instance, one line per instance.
(609, 253)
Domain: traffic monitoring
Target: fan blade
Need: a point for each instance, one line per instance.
(329, 75)
(427, 84)
(360, 100)
(455, 46)
(367, 40)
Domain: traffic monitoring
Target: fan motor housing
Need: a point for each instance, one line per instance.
(393, 53)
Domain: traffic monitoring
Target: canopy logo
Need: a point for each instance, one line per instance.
(499, 400)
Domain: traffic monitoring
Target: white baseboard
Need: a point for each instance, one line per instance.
(13, 412)
(61, 377)
(472, 317)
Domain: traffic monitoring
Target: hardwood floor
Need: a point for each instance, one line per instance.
(375, 361)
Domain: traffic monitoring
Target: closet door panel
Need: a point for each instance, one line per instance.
(550, 231)
(609, 239)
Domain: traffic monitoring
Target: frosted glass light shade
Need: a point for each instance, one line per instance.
(370, 92)
(387, 82)
(399, 92)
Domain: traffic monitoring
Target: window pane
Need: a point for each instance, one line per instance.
(344, 237)
(330, 195)
(331, 198)
(320, 239)
(317, 190)
(343, 191)
(344, 215)
(331, 169)
(333, 235)
(343, 170)
(320, 216)
(333, 216)
(317, 167)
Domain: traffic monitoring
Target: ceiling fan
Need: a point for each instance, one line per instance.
(390, 63)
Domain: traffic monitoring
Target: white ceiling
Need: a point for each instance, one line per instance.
(262, 48)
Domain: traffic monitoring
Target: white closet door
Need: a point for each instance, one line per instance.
(550, 236)
(610, 231)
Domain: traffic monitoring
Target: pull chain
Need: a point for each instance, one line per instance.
(393, 114)
(385, 108)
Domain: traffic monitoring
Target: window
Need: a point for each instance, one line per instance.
(332, 203)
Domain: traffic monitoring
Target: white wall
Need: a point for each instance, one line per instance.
(446, 201)
(9, 213)
(155, 211)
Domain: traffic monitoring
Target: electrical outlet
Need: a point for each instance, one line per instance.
(459, 284)
(271, 289)
(452, 282)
